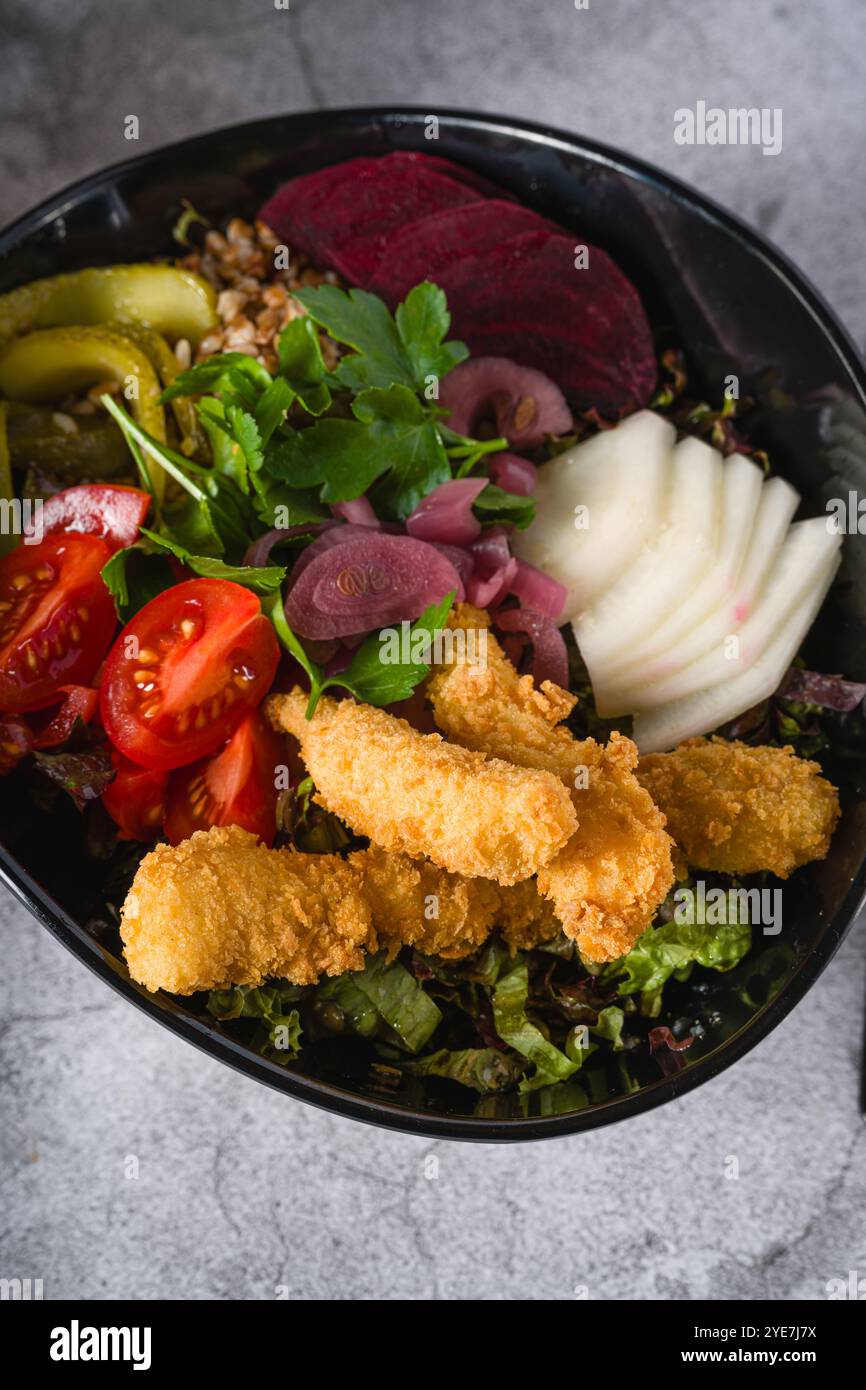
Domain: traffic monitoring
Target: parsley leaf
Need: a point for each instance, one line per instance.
(379, 679)
(403, 351)
(402, 432)
(372, 676)
(494, 504)
(301, 362)
(262, 579)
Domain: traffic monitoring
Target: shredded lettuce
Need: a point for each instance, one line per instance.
(516, 1029)
(271, 1005)
(664, 951)
(484, 1069)
(383, 993)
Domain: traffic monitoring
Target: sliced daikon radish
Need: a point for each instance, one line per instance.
(661, 729)
(668, 567)
(619, 479)
(742, 482)
(807, 551)
(651, 678)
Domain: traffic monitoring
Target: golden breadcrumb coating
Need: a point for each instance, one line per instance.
(415, 904)
(738, 809)
(414, 793)
(616, 869)
(221, 909)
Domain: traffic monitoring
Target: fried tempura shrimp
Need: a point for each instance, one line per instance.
(738, 809)
(414, 793)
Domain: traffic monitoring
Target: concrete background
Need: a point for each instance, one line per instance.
(240, 1191)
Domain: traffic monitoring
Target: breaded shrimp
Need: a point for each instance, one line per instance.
(220, 909)
(738, 809)
(414, 793)
(610, 878)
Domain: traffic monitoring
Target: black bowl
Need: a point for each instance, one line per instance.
(736, 306)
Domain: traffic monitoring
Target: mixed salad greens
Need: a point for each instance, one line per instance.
(241, 485)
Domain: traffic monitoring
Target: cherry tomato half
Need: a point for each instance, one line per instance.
(110, 511)
(55, 725)
(56, 618)
(186, 671)
(135, 800)
(237, 786)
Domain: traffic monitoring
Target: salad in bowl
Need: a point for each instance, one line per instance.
(419, 650)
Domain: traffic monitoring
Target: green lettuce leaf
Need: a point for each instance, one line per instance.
(383, 993)
(515, 1028)
(484, 1069)
(663, 951)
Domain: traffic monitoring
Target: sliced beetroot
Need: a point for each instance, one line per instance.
(486, 187)
(549, 652)
(514, 474)
(446, 514)
(423, 250)
(343, 217)
(368, 583)
(584, 328)
(519, 402)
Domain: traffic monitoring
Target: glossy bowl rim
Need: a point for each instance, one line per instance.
(325, 1095)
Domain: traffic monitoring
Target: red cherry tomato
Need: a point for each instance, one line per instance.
(56, 618)
(110, 511)
(237, 786)
(55, 725)
(186, 671)
(135, 800)
(15, 743)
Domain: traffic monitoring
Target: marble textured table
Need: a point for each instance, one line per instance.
(239, 1190)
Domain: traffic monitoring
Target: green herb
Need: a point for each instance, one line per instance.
(133, 577)
(372, 677)
(407, 349)
(494, 504)
(516, 1029)
(301, 362)
(180, 230)
(261, 579)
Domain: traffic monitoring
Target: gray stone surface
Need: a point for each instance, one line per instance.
(240, 1190)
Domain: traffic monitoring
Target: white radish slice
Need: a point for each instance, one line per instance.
(807, 551)
(621, 478)
(741, 493)
(668, 567)
(659, 730)
(649, 679)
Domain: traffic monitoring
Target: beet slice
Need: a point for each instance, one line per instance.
(343, 217)
(422, 250)
(587, 329)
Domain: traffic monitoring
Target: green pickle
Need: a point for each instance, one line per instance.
(55, 362)
(175, 302)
